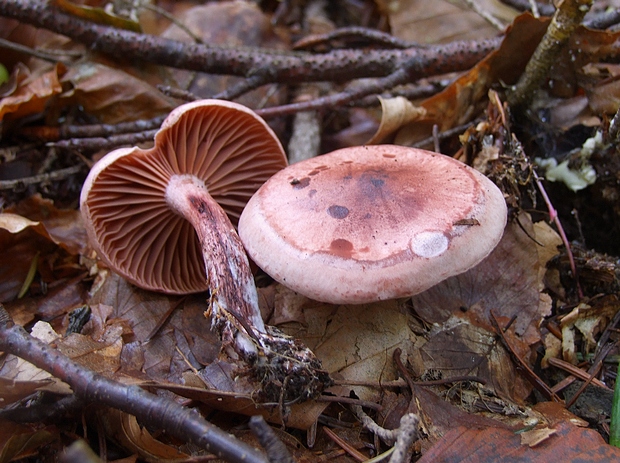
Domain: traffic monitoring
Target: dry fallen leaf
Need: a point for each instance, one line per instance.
(113, 95)
(509, 283)
(535, 436)
(457, 103)
(444, 21)
(32, 93)
(125, 430)
(16, 369)
(568, 443)
(395, 113)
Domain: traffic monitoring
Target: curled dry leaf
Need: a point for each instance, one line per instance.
(395, 113)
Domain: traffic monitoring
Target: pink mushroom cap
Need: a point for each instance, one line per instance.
(370, 223)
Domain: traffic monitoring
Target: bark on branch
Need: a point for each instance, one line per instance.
(265, 65)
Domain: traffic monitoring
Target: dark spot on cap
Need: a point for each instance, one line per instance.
(338, 212)
(377, 182)
(341, 247)
(311, 193)
(318, 170)
(298, 183)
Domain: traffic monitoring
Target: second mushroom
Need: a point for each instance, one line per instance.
(161, 219)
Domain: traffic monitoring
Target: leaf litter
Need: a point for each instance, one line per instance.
(165, 343)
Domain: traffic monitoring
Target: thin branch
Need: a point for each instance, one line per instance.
(151, 410)
(568, 16)
(276, 66)
(41, 178)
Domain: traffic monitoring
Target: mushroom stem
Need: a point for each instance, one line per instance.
(276, 359)
(228, 269)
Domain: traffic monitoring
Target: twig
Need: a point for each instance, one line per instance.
(532, 377)
(402, 438)
(41, 178)
(544, 9)
(51, 56)
(91, 131)
(407, 432)
(155, 411)
(345, 446)
(277, 66)
(388, 436)
(553, 216)
(575, 372)
(275, 448)
(567, 17)
(354, 34)
(39, 412)
(484, 14)
(592, 371)
(104, 143)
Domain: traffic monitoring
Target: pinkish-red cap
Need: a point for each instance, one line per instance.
(226, 145)
(369, 223)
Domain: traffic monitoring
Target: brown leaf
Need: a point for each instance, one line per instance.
(356, 341)
(568, 443)
(229, 24)
(13, 390)
(443, 20)
(31, 94)
(508, 282)
(16, 369)
(113, 95)
(456, 104)
(126, 431)
(395, 113)
(20, 441)
(36, 229)
(62, 226)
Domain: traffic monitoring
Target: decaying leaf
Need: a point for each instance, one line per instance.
(126, 431)
(443, 21)
(35, 229)
(16, 369)
(113, 95)
(568, 443)
(509, 283)
(456, 104)
(32, 93)
(21, 441)
(535, 436)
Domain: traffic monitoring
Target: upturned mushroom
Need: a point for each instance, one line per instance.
(154, 216)
(370, 223)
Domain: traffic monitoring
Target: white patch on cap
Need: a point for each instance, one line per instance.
(429, 244)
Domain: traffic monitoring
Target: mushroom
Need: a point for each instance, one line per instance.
(154, 217)
(370, 223)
